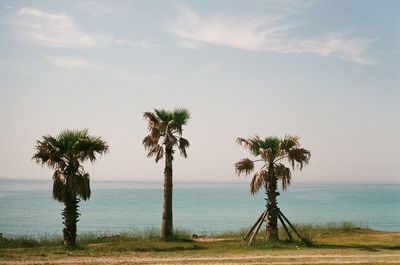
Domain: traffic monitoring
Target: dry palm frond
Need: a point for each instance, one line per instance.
(48, 153)
(153, 151)
(182, 145)
(151, 118)
(83, 190)
(155, 133)
(170, 138)
(299, 155)
(160, 154)
(252, 143)
(241, 141)
(244, 166)
(284, 174)
(257, 181)
(266, 154)
(149, 141)
(59, 185)
(157, 151)
(246, 142)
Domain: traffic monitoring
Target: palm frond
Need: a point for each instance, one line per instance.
(48, 152)
(155, 133)
(170, 138)
(182, 145)
(153, 124)
(149, 141)
(149, 116)
(159, 154)
(283, 174)
(257, 181)
(59, 186)
(266, 154)
(163, 115)
(244, 166)
(289, 142)
(251, 143)
(89, 146)
(179, 118)
(300, 156)
(271, 143)
(83, 186)
(157, 151)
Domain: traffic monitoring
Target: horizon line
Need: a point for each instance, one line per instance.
(196, 181)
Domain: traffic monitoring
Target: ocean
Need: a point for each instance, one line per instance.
(27, 207)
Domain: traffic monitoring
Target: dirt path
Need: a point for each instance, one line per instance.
(216, 260)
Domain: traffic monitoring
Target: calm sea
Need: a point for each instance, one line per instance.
(27, 207)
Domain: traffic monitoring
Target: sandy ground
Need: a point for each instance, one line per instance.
(372, 258)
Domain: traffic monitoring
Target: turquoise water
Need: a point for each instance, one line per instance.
(27, 208)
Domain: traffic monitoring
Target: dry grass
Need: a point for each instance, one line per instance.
(333, 244)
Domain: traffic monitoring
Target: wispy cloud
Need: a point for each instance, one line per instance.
(60, 30)
(264, 33)
(53, 30)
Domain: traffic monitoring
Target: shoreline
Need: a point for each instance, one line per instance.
(154, 230)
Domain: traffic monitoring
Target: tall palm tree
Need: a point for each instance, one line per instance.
(165, 129)
(65, 153)
(272, 152)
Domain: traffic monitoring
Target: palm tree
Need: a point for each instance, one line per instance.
(272, 152)
(65, 153)
(165, 129)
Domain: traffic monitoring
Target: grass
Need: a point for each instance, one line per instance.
(310, 232)
(332, 237)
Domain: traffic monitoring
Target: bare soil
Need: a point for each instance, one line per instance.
(287, 258)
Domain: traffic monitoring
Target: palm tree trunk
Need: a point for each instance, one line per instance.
(70, 216)
(272, 208)
(167, 225)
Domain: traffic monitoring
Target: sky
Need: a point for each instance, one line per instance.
(326, 71)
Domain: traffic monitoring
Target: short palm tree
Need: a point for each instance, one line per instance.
(272, 152)
(165, 129)
(65, 153)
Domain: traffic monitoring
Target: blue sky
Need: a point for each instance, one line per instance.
(327, 71)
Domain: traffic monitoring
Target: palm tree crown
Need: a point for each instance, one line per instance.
(65, 153)
(272, 152)
(167, 126)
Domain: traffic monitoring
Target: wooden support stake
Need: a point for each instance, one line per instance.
(254, 226)
(287, 221)
(284, 226)
(258, 227)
